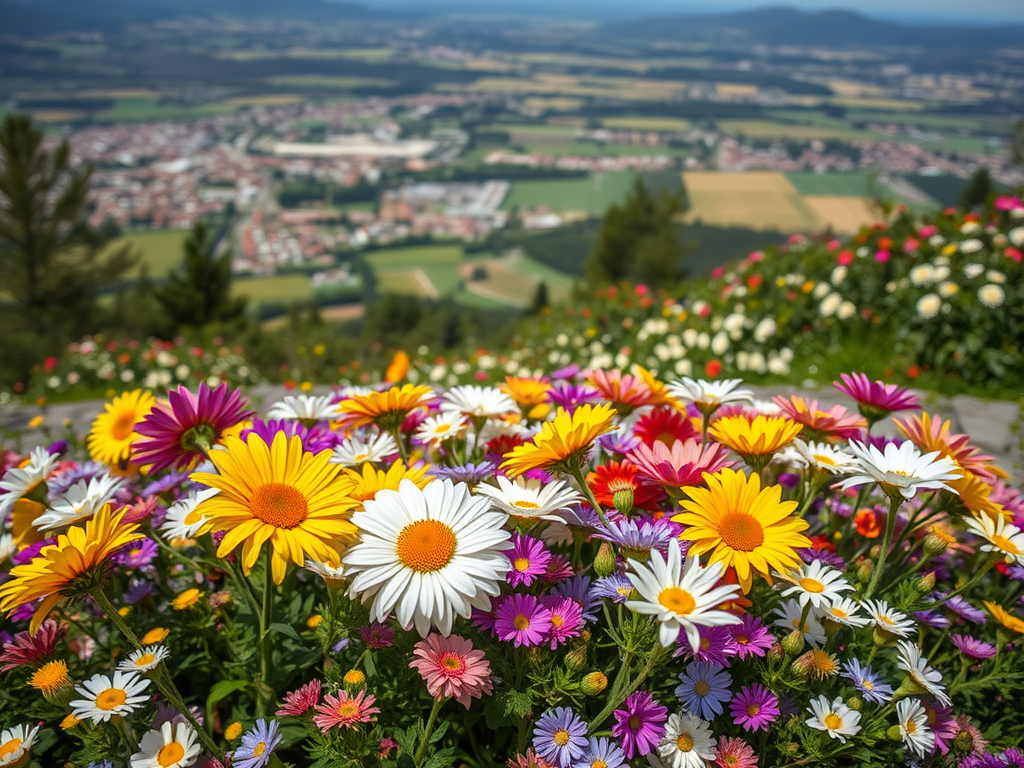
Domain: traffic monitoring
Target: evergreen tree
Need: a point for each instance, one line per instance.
(639, 239)
(199, 293)
(540, 299)
(977, 190)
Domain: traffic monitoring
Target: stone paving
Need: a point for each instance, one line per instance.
(988, 422)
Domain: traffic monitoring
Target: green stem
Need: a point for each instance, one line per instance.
(126, 737)
(973, 580)
(421, 751)
(890, 526)
(622, 695)
(577, 473)
(164, 546)
(266, 617)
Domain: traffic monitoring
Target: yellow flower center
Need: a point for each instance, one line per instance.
(426, 546)
(123, 426)
(145, 660)
(812, 585)
(684, 743)
(193, 517)
(112, 698)
(170, 754)
(521, 622)
(867, 685)
(259, 749)
(823, 459)
(50, 677)
(1006, 545)
(911, 727)
(741, 531)
(452, 662)
(522, 564)
(635, 723)
(361, 457)
(753, 709)
(442, 428)
(354, 677)
(839, 613)
(9, 747)
(279, 505)
(524, 504)
(599, 764)
(348, 709)
(886, 620)
(833, 721)
(557, 621)
(743, 639)
(702, 687)
(677, 600)
(561, 738)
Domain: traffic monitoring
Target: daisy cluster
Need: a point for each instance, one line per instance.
(591, 569)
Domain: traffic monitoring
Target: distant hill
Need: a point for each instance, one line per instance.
(32, 17)
(781, 25)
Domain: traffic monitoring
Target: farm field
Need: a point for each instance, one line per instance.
(274, 288)
(160, 250)
(770, 129)
(843, 213)
(846, 184)
(641, 123)
(592, 194)
(755, 199)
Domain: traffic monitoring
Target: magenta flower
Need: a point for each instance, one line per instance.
(640, 725)
(972, 647)
(876, 399)
(750, 637)
(136, 554)
(377, 636)
(716, 646)
(529, 560)
(522, 620)
(566, 619)
(683, 464)
(301, 700)
(182, 430)
(754, 708)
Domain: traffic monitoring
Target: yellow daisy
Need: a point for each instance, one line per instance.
(72, 567)
(531, 395)
(52, 680)
(754, 440)
(385, 409)
(369, 480)
(110, 439)
(563, 441)
(296, 500)
(974, 494)
(186, 599)
(1011, 621)
(743, 526)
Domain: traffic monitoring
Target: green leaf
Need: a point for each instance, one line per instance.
(284, 629)
(221, 691)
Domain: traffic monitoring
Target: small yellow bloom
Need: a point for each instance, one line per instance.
(385, 409)
(562, 441)
(319, 349)
(807, 287)
(949, 249)
(156, 635)
(233, 731)
(756, 438)
(122, 612)
(369, 480)
(69, 722)
(306, 386)
(354, 677)
(186, 599)
(1009, 620)
(51, 679)
(314, 621)
(36, 422)
(780, 282)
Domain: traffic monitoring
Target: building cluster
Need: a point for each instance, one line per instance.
(465, 210)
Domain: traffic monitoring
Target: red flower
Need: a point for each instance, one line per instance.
(713, 368)
(666, 425)
(754, 281)
(869, 523)
(615, 477)
(913, 372)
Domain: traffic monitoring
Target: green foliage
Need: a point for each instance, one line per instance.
(977, 190)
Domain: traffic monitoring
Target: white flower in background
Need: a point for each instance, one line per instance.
(973, 270)
(890, 287)
(821, 290)
(971, 246)
(709, 395)
(690, 337)
(846, 310)
(839, 274)
(913, 720)
(527, 499)
(816, 456)
(948, 289)
(995, 276)
(936, 240)
(79, 502)
(862, 251)
(928, 306)
(7, 547)
(901, 469)
(830, 304)
(1016, 236)
(357, 451)
(991, 295)
(835, 718)
(910, 660)
(789, 614)
(814, 583)
(922, 274)
(889, 619)
(18, 481)
(968, 227)
(144, 659)
(942, 270)
(436, 429)
(304, 408)
(182, 521)
(1000, 537)
(687, 743)
(844, 611)
(478, 402)
(765, 329)
(720, 344)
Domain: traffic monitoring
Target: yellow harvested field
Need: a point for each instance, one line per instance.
(769, 129)
(878, 103)
(753, 199)
(569, 85)
(842, 213)
(404, 282)
(855, 89)
(641, 123)
(736, 89)
(58, 115)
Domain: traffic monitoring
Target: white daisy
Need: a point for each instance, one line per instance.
(889, 619)
(356, 451)
(680, 594)
(914, 664)
(817, 584)
(709, 395)
(815, 456)
(687, 742)
(79, 502)
(530, 499)
(7, 546)
(328, 573)
(18, 481)
(477, 402)
(15, 743)
(104, 698)
(836, 719)
(436, 429)
(844, 611)
(146, 658)
(304, 408)
(914, 726)
(175, 745)
(1000, 537)
(901, 469)
(182, 520)
(789, 614)
(428, 555)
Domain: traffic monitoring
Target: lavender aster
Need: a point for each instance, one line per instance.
(870, 685)
(704, 689)
(560, 736)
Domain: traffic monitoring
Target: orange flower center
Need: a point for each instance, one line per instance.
(426, 546)
(557, 621)
(170, 754)
(9, 747)
(1005, 544)
(812, 585)
(911, 727)
(348, 709)
(741, 531)
(259, 749)
(684, 743)
(753, 709)
(279, 505)
(452, 662)
(145, 659)
(123, 426)
(522, 564)
(50, 677)
(523, 504)
(833, 721)
(677, 600)
(112, 698)
(521, 622)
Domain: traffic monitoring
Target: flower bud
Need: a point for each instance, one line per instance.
(53, 681)
(623, 500)
(593, 683)
(775, 652)
(925, 583)
(793, 643)
(577, 657)
(856, 703)
(893, 733)
(863, 570)
(934, 545)
(354, 680)
(884, 639)
(604, 563)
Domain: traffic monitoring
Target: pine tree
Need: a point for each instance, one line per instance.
(977, 189)
(540, 299)
(199, 293)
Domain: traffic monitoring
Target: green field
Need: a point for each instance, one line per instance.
(592, 194)
(152, 109)
(266, 290)
(640, 123)
(160, 250)
(844, 184)
(393, 259)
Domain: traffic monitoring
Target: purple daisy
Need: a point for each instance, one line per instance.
(973, 648)
(870, 685)
(638, 537)
(138, 589)
(136, 554)
(943, 724)
(267, 429)
(754, 708)
(604, 752)
(619, 442)
(750, 637)
(183, 429)
(578, 589)
(876, 399)
(810, 554)
(932, 619)
(572, 396)
(471, 474)
(529, 560)
(86, 471)
(716, 646)
(560, 737)
(258, 745)
(522, 620)
(484, 620)
(963, 609)
(558, 570)
(615, 587)
(169, 483)
(566, 619)
(640, 725)
(704, 688)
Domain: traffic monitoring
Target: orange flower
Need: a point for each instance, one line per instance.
(397, 368)
(868, 523)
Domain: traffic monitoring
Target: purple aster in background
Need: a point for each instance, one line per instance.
(522, 620)
(870, 685)
(876, 399)
(789, 480)
(572, 396)
(85, 471)
(810, 554)
(377, 636)
(962, 608)
(560, 737)
(932, 619)
(267, 429)
(601, 751)
(750, 637)
(640, 725)
(584, 516)
(136, 554)
(972, 647)
(716, 646)
(485, 620)
(619, 442)
(943, 724)
(704, 689)
(558, 570)
(570, 371)
(170, 483)
(615, 587)
(257, 745)
(754, 708)
(529, 560)
(566, 619)
(323, 439)
(32, 550)
(578, 589)
(138, 589)
(638, 537)
(880, 441)
(471, 474)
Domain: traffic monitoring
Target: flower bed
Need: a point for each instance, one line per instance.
(567, 571)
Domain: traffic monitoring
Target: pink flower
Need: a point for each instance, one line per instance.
(566, 619)
(882, 256)
(735, 753)
(451, 667)
(683, 464)
(301, 700)
(1007, 203)
(529, 560)
(845, 258)
(640, 725)
(927, 231)
(344, 711)
(522, 620)
(1014, 254)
